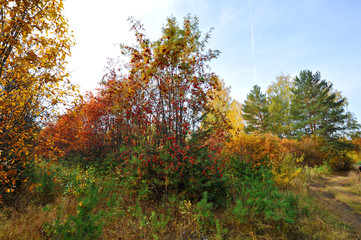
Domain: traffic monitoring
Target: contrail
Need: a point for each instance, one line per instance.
(252, 38)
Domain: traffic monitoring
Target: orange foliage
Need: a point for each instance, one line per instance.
(84, 129)
(256, 148)
(309, 148)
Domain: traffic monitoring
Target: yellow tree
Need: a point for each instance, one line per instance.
(234, 116)
(34, 44)
(224, 112)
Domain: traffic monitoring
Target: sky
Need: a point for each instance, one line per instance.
(258, 39)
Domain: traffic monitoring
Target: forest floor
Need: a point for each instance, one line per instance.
(340, 194)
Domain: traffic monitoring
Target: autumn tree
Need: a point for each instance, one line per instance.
(279, 96)
(84, 130)
(224, 116)
(147, 114)
(159, 104)
(255, 111)
(234, 116)
(167, 82)
(34, 44)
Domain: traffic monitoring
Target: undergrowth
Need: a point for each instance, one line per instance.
(76, 203)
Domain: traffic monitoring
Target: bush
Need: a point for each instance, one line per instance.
(259, 198)
(188, 172)
(16, 178)
(47, 184)
(204, 213)
(313, 150)
(341, 162)
(257, 149)
(54, 178)
(288, 170)
(85, 224)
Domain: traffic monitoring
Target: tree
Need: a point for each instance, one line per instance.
(85, 130)
(279, 96)
(316, 108)
(234, 116)
(255, 111)
(150, 111)
(224, 114)
(34, 44)
(163, 99)
(167, 83)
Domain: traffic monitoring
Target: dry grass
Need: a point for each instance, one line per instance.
(323, 222)
(28, 222)
(128, 222)
(347, 189)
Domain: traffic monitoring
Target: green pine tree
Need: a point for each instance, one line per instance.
(255, 111)
(316, 108)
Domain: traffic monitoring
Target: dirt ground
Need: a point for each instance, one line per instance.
(341, 195)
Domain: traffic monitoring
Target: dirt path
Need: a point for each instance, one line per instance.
(341, 194)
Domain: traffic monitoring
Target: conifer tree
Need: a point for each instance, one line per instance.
(316, 108)
(255, 111)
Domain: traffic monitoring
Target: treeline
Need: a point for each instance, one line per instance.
(303, 106)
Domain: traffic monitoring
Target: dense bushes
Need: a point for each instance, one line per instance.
(257, 148)
(149, 120)
(189, 171)
(158, 122)
(312, 150)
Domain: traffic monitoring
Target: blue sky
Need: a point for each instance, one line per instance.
(288, 36)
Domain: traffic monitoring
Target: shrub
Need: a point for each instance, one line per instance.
(204, 213)
(287, 171)
(313, 150)
(16, 177)
(259, 198)
(85, 224)
(340, 162)
(47, 184)
(189, 172)
(257, 149)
